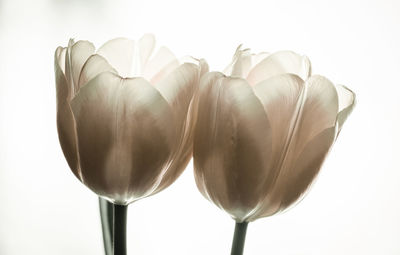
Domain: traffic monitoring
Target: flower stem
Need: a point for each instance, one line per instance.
(119, 230)
(106, 215)
(238, 238)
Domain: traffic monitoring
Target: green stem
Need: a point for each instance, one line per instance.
(238, 238)
(106, 215)
(119, 231)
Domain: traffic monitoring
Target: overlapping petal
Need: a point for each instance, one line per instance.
(60, 57)
(160, 65)
(93, 66)
(347, 101)
(307, 166)
(178, 90)
(65, 122)
(242, 62)
(145, 47)
(279, 63)
(119, 52)
(314, 112)
(300, 126)
(125, 138)
(76, 56)
(281, 97)
(232, 144)
(126, 135)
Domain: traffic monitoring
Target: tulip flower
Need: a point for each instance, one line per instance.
(262, 132)
(124, 118)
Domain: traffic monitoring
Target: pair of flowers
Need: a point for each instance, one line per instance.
(129, 121)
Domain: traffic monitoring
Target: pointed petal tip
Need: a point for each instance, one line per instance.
(71, 42)
(351, 92)
(239, 47)
(347, 102)
(199, 62)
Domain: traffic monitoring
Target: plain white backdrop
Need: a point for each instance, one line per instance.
(45, 210)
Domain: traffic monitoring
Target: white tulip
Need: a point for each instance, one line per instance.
(263, 131)
(123, 115)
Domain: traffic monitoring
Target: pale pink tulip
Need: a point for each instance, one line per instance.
(123, 115)
(263, 131)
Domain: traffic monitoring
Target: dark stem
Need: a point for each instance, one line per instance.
(238, 238)
(107, 219)
(119, 232)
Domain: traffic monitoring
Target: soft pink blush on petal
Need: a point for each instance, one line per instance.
(280, 63)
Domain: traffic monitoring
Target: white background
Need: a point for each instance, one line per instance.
(353, 208)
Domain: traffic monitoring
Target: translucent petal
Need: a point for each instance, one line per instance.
(314, 112)
(232, 145)
(126, 136)
(119, 52)
(158, 67)
(77, 55)
(65, 120)
(279, 63)
(347, 101)
(95, 65)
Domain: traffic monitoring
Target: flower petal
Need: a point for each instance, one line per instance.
(347, 101)
(94, 65)
(126, 134)
(315, 111)
(146, 46)
(119, 52)
(158, 67)
(307, 166)
(204, 68)
(303, 171)
(319, 108)
(232, 145)
(280, 97)
(257, 58)
(178, 89)
(241, 63)
(279, 63)
(65, 120)
(77, 55)
(206, 81)
(60, 56)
